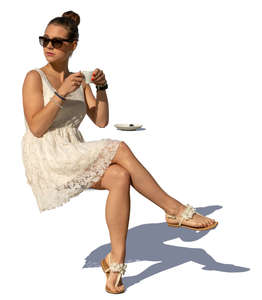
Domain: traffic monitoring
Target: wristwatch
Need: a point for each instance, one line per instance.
(102, 87)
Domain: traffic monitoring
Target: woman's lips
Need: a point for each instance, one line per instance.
(49, 53)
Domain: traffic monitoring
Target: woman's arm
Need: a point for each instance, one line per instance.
(102, 109)
(39, 117)
(97, 108)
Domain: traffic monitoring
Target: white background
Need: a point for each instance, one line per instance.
(190, 72)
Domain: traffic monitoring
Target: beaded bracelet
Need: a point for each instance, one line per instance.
(64, 99)
(57, 103)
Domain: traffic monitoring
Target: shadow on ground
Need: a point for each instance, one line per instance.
(146, 243)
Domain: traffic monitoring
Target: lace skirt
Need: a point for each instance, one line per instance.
(60, 165)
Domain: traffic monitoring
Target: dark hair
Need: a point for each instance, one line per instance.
(69, 20)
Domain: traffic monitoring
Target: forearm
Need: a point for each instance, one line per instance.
(45, 117)
(102, 108)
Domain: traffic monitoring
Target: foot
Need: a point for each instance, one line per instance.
(111, 279)
(196, 220)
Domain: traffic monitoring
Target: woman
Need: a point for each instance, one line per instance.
(59, 164)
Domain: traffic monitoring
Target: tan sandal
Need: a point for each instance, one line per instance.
(187, 214)
(114, 267)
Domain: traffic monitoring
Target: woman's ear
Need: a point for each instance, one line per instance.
(74, 45)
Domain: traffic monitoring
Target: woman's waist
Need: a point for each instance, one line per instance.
(66, 133)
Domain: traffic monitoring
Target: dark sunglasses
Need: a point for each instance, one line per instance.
(56, 43)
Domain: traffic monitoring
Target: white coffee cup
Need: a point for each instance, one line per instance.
(88, 76)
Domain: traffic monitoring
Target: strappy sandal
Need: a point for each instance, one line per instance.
(187, 214)
(114, 267)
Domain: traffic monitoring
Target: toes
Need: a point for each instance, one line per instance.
(211, 221)
(116, 289)
(207, 222)
(111, 285)
(120, 288)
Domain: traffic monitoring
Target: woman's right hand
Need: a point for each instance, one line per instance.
(71, 83)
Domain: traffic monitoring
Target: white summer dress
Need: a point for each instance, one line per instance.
(60, 164)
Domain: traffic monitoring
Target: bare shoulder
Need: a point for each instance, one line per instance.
(33, 100)
(32, 80)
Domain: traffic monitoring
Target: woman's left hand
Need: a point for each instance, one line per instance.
(98, 77)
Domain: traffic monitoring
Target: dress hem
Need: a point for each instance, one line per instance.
(83, 181)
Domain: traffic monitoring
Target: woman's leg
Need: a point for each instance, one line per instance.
(143, 181)
(117, 180)
(145, 184)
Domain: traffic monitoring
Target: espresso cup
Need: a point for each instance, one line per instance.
(88, 76)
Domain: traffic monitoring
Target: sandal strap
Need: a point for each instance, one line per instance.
(170, 216)
(187, 213)
(117, 267)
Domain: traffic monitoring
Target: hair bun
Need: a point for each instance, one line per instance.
(73, 16)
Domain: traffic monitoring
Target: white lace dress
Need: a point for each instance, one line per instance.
(60, 164)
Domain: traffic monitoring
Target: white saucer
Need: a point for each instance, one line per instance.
(128, 126)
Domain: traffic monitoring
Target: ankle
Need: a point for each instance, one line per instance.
(175, 209)
(171, 211)
(118, 257)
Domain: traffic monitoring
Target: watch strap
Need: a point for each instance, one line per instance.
(101, 87)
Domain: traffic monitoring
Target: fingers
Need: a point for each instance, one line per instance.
(78, 75)
(100, 79)
(96, 71)
(77, 78)
(76, 82)
(98, 76)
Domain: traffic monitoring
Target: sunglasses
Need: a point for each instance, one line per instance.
(56, 43)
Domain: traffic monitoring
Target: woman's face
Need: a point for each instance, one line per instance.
(60, 54)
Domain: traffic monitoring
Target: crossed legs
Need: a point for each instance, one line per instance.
(142, 180)
(125, 170)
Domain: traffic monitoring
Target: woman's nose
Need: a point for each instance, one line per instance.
(49, 42)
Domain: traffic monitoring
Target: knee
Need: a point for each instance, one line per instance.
(120, 175)
(123, 145)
